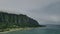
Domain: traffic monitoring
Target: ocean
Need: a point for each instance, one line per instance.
(51, 29)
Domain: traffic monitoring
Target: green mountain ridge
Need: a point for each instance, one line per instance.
(8, 20)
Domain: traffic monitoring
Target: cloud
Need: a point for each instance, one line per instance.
(41, 10)
(49, 13)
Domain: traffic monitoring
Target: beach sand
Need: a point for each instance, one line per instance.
(16, 29)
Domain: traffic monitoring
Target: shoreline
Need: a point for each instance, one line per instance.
(16, 29)
(20, 29)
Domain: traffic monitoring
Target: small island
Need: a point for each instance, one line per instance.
(9, 21)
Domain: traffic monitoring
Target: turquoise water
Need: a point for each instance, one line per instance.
(40, 30)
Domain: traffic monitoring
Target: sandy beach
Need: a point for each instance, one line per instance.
(16, 29)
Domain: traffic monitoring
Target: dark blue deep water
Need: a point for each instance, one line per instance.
(53, 29)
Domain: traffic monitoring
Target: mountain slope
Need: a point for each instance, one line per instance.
(8, 20)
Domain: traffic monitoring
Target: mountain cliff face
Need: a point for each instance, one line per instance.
(8, 20)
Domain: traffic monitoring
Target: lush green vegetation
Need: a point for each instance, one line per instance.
(8, 20)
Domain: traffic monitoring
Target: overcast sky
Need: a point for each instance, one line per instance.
(44, 11)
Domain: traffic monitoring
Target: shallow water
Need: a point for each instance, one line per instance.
(40, 30)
